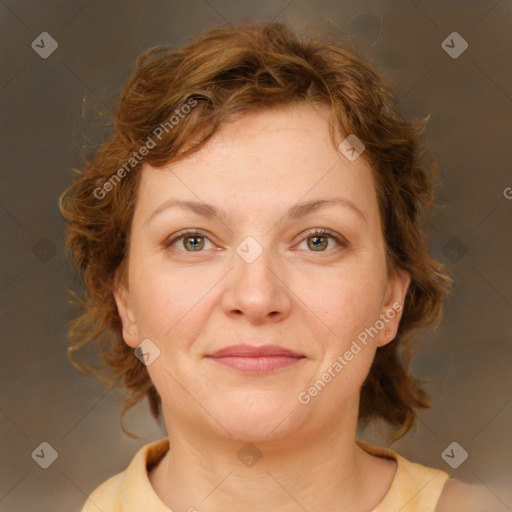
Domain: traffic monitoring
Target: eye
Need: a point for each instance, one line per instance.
(318, 240)
(192, 241)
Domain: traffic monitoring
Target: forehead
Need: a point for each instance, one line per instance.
(260, 161)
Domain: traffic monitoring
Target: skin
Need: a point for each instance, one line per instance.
(458, 496)
(315, 302)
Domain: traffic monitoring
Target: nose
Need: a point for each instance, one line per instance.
(257, 289)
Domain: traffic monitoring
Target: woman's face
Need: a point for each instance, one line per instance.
(254, 274)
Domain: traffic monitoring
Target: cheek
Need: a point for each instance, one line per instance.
(346, 301)
(166, 299)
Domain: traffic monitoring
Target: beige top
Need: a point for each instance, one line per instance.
(415, 488)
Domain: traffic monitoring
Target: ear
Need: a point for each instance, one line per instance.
(393, 306)
(125, 310)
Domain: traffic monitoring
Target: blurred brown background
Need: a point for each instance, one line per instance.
(50, 104)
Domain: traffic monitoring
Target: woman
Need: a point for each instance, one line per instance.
(251, 243)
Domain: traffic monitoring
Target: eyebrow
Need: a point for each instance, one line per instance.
(296, 212)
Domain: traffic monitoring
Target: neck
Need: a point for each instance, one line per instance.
(314, 471)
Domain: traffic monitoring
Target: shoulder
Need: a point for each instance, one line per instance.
(458, 496)
(131, 485)
(414, 487)
(106, 496)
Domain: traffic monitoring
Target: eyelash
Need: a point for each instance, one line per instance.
(315, 232)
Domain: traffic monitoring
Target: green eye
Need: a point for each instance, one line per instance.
(318, 240)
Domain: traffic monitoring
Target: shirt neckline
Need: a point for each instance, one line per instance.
(138, 493)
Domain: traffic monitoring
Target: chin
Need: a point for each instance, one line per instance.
(259, 420)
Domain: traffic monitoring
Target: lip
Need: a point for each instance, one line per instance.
(252, 351)
(251, 359)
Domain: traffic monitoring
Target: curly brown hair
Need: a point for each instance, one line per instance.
(225, 72)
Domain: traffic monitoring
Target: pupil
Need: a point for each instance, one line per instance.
(195, 244)
(317, 238)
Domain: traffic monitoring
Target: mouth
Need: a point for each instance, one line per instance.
(250, 359)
